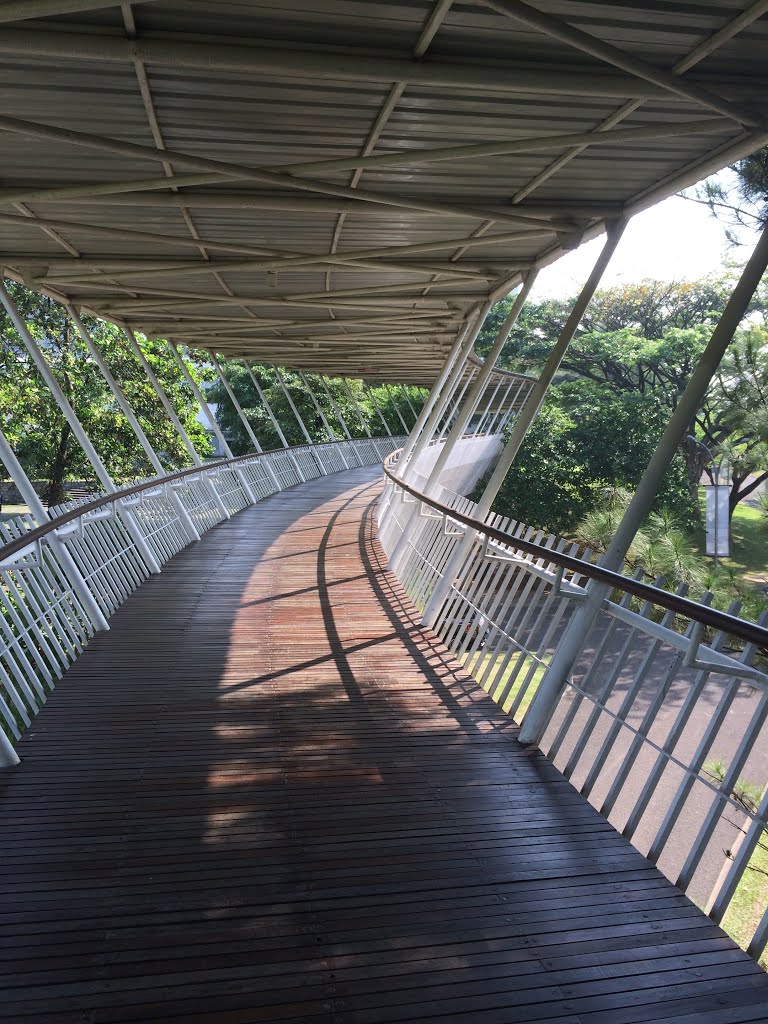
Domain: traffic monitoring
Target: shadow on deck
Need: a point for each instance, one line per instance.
(267, 794)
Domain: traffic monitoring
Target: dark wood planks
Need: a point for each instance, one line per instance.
(266, 794)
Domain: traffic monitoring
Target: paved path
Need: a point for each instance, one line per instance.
(266, 794)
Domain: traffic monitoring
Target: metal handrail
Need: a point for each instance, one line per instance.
(749, 632)
(7, 550)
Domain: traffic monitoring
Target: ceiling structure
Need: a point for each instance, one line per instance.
(338, 185)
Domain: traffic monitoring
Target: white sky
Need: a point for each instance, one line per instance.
(676, 240)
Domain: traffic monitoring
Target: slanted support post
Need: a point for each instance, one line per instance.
(274, 421)
(380, 414)
(184, 518)
(408, 400)
(70, 415)
(32, 500)
(319, 409)
(506, 409)
(201, 401)
(486, 416)
(233, 399)
(572, 643)
(467, 410)
(396, 407)
(523, 422)
(323, 419)
(343, 422)
(356, 407)
(463, 348)
(300, 421)
(433, 401)
(243, 418)
(173, 417)
(455, 406)
(292, 404)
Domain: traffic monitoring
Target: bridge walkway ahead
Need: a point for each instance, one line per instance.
(266, 794)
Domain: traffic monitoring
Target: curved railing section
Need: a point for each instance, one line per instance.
(661, 725)
(62, 579)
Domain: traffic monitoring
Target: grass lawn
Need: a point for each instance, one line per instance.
(530, 671)
(749, 554)
(749, 547)
(11, 511)
(749, 901)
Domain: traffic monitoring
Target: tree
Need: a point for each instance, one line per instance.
(740, 394)
(242, 386)
(740, 199)
(633, 356)
(37, 429)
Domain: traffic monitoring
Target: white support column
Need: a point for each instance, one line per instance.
(408, 400)
(569, 648)
(343, 422)
(486, 416)
(455, 407)
(187, 524)
(273, 419)
(433, 400)
(77, 428)
(201, 401)
(378, 410)
(396, 407)
(291, 403)
(524, 420)
(336, 409)
(445, 396)
(173, 417)
(160, 392)
(323, 419)
(320, 412)
(502, 417)
(31, 499)
(243, 419)
(233, 399)
(355, 406)
(467, 410)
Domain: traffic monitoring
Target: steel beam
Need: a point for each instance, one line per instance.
(316, 64)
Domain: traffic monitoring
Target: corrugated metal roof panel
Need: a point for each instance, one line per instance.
(261, 86)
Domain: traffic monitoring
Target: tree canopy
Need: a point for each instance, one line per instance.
(360, 403)
(38, 431)
(619, 381)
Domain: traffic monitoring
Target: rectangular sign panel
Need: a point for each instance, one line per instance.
(717, 498)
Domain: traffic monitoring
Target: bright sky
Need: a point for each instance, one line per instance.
(676, 240)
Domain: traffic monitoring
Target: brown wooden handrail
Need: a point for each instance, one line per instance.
(7, 550)
(749, 632)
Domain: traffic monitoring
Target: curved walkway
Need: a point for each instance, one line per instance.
(266, 794)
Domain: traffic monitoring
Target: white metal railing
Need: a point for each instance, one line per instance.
(52, 573)
(662, 722)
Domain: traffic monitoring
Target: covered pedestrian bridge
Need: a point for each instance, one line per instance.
(309, 733)
(268, 793)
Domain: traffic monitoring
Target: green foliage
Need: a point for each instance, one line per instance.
(621, 377)
(37, 429)
(662, 547)
(247, 396)
(551, 486)
(741, 201)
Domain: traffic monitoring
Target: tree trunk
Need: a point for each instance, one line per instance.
(696, 461)
(55, 492)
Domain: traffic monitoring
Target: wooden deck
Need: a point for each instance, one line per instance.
(267, 795)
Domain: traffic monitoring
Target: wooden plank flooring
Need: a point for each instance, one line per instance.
(267, 795)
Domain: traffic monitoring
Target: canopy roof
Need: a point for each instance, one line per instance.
(337, 185)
